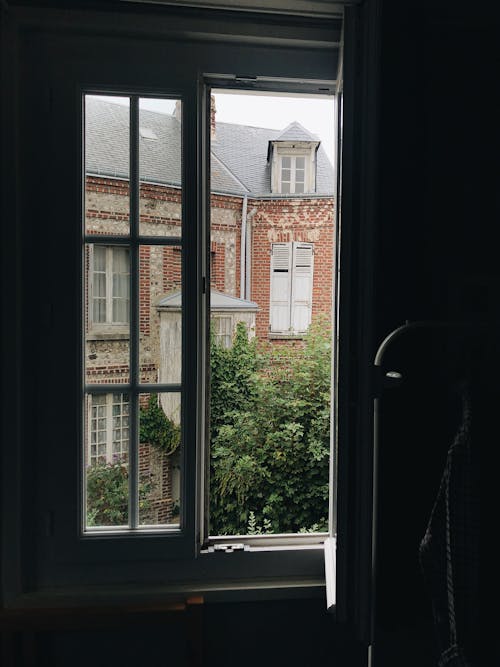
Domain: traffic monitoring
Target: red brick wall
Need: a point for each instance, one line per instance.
(284, 221)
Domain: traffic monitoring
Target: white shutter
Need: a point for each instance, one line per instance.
(302, 283)
(281, 269)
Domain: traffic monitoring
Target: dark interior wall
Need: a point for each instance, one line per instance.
(436, 262)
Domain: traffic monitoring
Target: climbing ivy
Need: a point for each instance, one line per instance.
(156, 429)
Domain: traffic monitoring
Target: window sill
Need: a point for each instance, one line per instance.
(162, 597)
(285, 336)
(107, 334)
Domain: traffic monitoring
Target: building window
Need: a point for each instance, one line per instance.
(108, 428)
(291, 287)
(223, 331)
(292, 174)
(110, 285)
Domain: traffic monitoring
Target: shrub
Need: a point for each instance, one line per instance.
(270, 434)
(107, 494)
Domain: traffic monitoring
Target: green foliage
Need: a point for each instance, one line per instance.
(107, 494)
(270, 435)
(156, 429)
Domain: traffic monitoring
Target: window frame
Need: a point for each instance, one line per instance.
(291, 331)
(108, 404)
(109, 272)
(46, 80)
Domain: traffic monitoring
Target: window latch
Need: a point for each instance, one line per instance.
(228, 547)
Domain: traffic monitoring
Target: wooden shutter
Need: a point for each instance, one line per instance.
(302, 282)
(281, 270)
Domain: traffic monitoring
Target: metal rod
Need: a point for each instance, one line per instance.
(421, 324)
(134, 313)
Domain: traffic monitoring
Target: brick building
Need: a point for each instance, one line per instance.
(272, 233)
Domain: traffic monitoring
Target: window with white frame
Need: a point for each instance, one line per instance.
(110, 285)
(223, 330)
(291, 287)
(293, 174)
(108, 428)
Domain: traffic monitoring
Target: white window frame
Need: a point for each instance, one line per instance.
(293, 150)
(293, 174)
(289, 300)
(109, 262)
(93, 418)
(223, 338)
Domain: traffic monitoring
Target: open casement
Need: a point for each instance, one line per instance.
(58, 555)
(291, 287)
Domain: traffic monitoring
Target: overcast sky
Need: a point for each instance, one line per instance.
(315, 114)
(273, 112)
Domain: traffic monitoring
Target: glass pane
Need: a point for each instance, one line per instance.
(159, 459)
(107, 164)
(160, 167)
(270, 385)
(107, 314)
(106, 465)
(160, 322)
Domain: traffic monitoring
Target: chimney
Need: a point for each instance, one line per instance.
(212, 117)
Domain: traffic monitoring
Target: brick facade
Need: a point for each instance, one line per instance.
(270, 220)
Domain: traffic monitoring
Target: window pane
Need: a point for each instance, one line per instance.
(160, 167)
(106, 465)
(270, 389)
(107, 314)
(159, 459)
(106, 164)
(160, 319)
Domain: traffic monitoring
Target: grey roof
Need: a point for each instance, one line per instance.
(295, 132)
(218, 301)
(239, 165)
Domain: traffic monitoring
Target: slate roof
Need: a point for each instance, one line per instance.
(239, 165)
(218, 301)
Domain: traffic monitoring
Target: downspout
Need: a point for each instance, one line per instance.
(248, 250)
(243, 249)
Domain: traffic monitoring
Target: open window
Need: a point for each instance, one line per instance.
(161, 237)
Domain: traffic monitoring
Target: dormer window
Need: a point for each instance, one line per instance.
(292, 156)
(293, 174)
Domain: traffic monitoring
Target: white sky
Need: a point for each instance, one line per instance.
(315, 114)
(263, 110)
